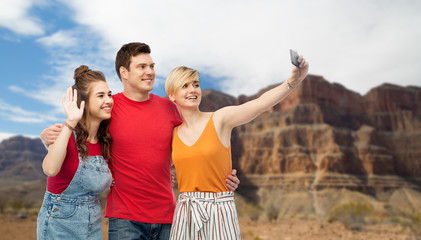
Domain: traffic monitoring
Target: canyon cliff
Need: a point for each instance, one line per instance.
(326, 136)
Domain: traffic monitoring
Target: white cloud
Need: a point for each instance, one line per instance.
(15, 16)
(359, 44)
(17, 89)
(59, 39)
(17, 114)
(245, 43)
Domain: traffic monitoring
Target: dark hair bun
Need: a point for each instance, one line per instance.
(80, 71)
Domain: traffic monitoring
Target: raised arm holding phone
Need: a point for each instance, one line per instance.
(201, 152)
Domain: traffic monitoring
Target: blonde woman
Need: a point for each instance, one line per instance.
(201, 153)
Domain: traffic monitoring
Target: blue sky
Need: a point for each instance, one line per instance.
(238, 46)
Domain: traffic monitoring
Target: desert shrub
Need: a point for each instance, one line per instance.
(250, 210)
(3, 204)
(272, 211)
(254, 212)
(29, 204)
(249, 233)
(17, 205)
(410, 221)
(352, 215)
(414, 224)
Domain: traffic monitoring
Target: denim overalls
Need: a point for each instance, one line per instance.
(76, 212)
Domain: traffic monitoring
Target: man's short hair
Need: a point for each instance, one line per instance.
(126, 52)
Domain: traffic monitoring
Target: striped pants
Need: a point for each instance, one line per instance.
(204, 215)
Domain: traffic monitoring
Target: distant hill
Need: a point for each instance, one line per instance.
(21, 177)
(21, 158)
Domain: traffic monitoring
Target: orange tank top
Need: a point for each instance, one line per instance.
(204, 166)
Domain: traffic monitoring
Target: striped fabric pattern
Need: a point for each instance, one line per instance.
(205, 215)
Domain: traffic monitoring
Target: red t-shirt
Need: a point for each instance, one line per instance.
(59, 183)
(141, 159)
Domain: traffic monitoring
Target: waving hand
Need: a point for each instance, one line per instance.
(73, 112)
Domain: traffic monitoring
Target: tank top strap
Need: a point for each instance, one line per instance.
(210, 133)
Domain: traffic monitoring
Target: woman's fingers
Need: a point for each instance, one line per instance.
(82, 105)
(74, 96)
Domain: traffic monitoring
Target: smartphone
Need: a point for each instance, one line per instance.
(294, 58)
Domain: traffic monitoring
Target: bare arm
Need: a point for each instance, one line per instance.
(57, 152)
(233, 116)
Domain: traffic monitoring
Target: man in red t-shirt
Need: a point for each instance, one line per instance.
(140, 205)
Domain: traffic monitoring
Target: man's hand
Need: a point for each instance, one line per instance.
(172, 179)
(50, 134)
(232, 181)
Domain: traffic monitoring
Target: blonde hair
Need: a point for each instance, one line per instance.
(178, 77)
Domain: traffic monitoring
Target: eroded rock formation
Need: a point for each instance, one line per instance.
(325, 136)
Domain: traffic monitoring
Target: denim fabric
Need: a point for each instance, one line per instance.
(76, 213)
(123, 229)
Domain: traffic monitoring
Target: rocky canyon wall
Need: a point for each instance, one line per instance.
(326, 136)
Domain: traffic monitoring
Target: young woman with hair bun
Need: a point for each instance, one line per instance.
(76, 164)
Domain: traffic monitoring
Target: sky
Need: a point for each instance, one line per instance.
(238, 46)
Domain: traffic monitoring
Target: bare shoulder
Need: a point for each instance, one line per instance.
(220, 115)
